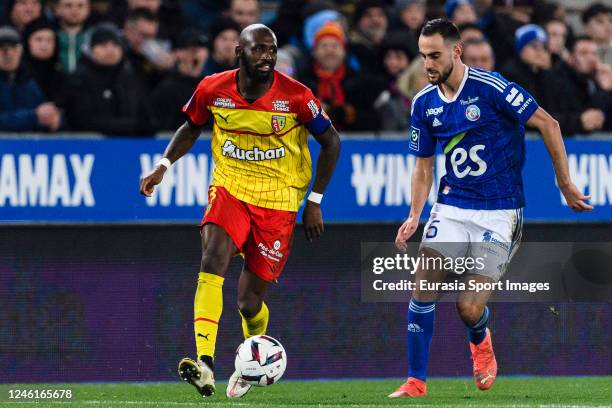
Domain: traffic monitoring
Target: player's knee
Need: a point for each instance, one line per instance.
(214, 261)
(470, 313)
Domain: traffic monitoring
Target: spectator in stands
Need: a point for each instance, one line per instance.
(460, 11)
(345, 95)
(556, 30)
(100, 12)
(105, 95)
(597, 21)
(23, 12)
(478, 54)
(532, 66)
(470, 32)
(175, 90)
(411, 15)
(244, 12)
(71, 16)
(23, 106)
(41, 57)
(150, 58)
(371, 24)
(170, 19)
(582, 90)
(288, 23)
(202, 13)
(393, 105)
(285, 62)
(224, 37)
(413, 79)
(499, 29)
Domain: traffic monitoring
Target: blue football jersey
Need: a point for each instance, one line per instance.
(482, 133)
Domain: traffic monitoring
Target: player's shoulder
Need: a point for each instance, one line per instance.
(420, 100)
(220, 79)
(490, 80)
(289, 85)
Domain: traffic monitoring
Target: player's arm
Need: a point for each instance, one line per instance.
(551, 133)
(422, 179)
(181, 142)
(198, 114)
(326, 163)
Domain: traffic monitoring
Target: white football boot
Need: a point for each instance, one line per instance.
(198, 374)
(236, 386)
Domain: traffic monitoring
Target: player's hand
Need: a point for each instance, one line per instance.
(313, 220)
(603, 76)
(592, 119)
(148, 182)
(405, 232)
(575, 199)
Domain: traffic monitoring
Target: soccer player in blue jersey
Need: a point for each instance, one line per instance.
(479, 119)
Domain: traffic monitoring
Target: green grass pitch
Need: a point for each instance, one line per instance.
(507, 392)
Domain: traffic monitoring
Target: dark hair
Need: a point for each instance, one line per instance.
(577, 39)
(141, 13)
(475, 41)
(593, 10)
(441, 26)
(469, 26)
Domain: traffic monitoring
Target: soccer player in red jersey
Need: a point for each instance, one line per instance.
(262, 173)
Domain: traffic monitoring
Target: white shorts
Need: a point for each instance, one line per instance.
(493, 236)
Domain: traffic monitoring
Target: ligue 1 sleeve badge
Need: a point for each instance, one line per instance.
(278, 123)
(472, 113)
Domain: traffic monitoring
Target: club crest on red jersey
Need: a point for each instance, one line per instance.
(278, 123)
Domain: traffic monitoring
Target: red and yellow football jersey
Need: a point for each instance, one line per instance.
(260, 149)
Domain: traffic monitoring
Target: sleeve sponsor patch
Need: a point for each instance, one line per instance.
(414, 138)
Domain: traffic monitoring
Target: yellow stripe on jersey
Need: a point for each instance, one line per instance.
(261, 158)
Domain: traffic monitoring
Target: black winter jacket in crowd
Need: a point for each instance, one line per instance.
(108, 100)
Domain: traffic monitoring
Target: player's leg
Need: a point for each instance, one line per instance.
(443, 227)
(225, 228)
(495, 235)
(473, 310)
(217, 251)
(253, 310)
(255, 316)
(265, 255)
(420, 327)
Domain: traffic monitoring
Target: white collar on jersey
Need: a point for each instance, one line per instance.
(463, 81)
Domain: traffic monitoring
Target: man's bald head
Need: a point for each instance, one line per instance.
(256, 52)
(254, 32)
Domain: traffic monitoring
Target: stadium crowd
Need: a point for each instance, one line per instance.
(126, 67)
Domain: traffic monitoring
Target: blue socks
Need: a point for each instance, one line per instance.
(478, 332)
(420, 330)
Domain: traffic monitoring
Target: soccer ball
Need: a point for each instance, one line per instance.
(261, 360)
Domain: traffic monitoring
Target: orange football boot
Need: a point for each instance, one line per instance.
(485, 366)
(413, 387)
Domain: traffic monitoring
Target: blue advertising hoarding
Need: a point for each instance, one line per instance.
(96, 181)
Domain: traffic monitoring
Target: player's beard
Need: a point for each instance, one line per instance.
(252, 71)
(443, 76)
